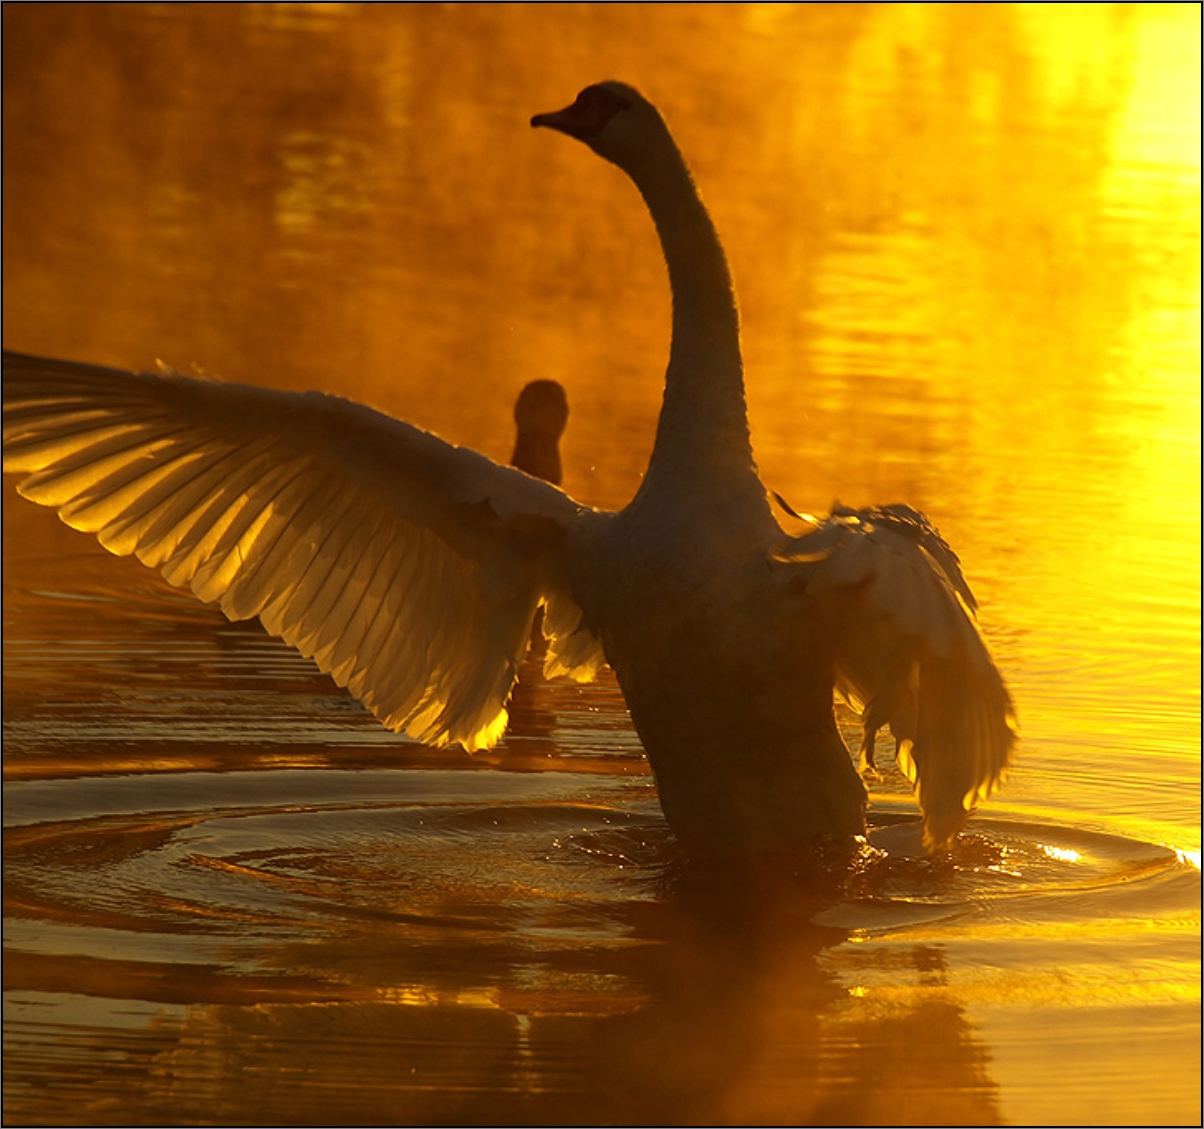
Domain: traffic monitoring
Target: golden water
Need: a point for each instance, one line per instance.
(966, 239)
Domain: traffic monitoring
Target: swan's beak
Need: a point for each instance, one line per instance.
(586, 117)
(567, 121)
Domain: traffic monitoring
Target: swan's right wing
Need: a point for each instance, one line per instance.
(908, 653)
(408, 569)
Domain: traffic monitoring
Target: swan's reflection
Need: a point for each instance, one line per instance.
(700, 1000)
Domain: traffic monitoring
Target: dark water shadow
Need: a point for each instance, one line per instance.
(616, 987)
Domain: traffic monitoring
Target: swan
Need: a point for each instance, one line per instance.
(541, 413)
(411, 570)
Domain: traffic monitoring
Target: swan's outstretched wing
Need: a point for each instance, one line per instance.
(909, 654)
(408, 569)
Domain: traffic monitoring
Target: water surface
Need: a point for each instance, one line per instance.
(966, 240)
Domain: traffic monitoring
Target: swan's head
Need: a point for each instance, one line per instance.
(615, 120)
(542, 410)
(541, 413)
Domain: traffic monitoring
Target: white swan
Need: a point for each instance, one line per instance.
(411, 570)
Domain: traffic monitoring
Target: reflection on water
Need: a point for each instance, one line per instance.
(382, 946)
(966, 241)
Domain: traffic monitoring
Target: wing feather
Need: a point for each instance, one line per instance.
(909, 654)
(408, 569)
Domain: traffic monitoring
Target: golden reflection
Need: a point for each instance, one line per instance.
(718, 1015)
(967, 243)
(1062, 854)
(1160, 121)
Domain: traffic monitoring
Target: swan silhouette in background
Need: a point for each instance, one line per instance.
(541, 413)
(411, 570)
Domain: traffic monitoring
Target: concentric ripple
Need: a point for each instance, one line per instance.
(267, 874)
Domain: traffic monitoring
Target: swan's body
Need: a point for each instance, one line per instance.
(412, 570)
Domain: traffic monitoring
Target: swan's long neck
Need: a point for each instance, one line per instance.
(703, 427)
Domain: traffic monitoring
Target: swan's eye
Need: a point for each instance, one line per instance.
(594, 108)
(598, 101)
(588, 115)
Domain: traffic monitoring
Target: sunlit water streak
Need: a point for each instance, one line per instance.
(966, 240)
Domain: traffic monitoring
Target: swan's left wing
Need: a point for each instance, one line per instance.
(408, 569)
(909, 654)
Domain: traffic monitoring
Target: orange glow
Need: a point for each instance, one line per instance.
(966, 243)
